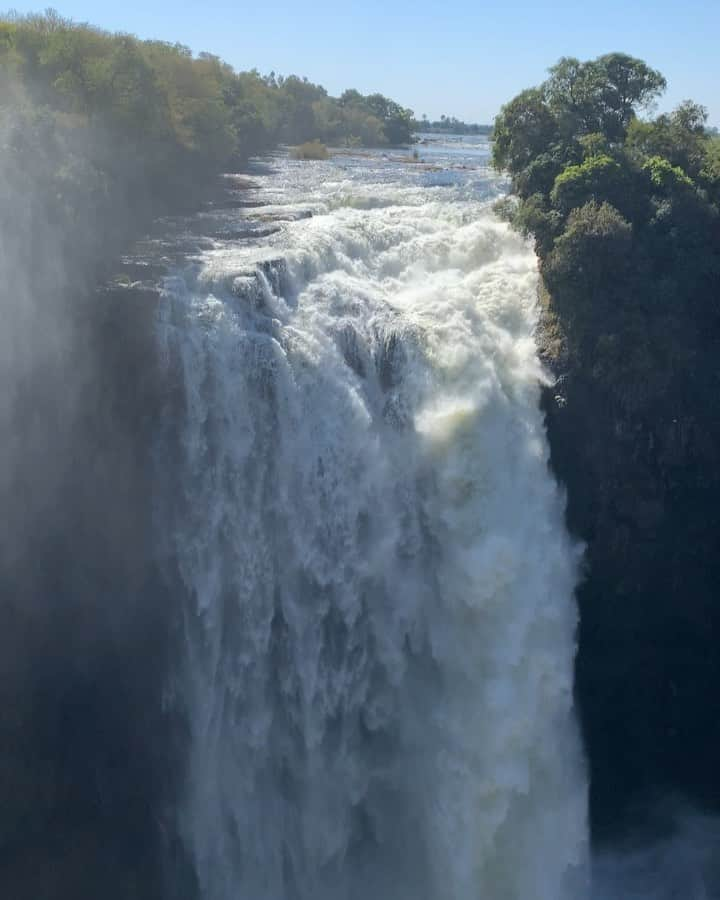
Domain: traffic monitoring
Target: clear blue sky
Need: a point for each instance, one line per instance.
(459, 57)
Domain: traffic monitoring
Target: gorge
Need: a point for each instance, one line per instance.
(299, 506)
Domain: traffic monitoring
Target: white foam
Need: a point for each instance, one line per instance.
(380, 627)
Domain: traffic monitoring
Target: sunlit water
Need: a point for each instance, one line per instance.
(379, 624)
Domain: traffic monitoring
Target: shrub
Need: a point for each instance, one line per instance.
(587, 266)
(599, 178)
(594, 144)
(535, 217)
(596, 237)
(664, 177)
(539, 176)
(310, 150)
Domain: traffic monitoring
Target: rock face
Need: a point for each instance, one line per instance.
(643, 491)
(86, 766)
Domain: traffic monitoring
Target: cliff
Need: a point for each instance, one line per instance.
(643, 493)
(625, 215)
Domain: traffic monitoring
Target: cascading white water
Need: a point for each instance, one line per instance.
(379, 624)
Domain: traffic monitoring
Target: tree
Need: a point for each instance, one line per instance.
(598, 178)
(601, 95)
(570, 93)
(351, 97)
(625, 212)
(524, 129)
(678, 137)
(587, 265)
(626, 85)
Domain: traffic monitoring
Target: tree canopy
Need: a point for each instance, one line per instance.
(172, 108)
(625, 211)
(99, 132)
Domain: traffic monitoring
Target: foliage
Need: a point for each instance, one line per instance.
(678, 137)
(376, 118)
(592, 101)
(99, 132)
(625, 212)
(710, 171)
(664, 176)
(449, 125)
(602, 95)
(591, 257)
(175, 113)
(525, 129)
(535, 216)
(597, 178)
(310, 150)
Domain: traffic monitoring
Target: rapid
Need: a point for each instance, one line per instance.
(378, 621)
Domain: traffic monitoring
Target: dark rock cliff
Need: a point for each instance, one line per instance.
(86, 767)
(643, 492)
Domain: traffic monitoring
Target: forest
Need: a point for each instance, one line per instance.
(143, 122)
(450, 125)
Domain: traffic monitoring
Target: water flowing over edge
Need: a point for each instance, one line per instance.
(379, 626)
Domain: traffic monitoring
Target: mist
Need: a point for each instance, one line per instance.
(82, 636)
(674, 857)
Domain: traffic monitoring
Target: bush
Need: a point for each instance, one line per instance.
(310, 150)
(597, 238)
(665, 178)
(535, 217)
(587, 266)
(599, 178)
(539, 176)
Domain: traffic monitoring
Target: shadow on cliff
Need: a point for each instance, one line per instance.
(86, 765)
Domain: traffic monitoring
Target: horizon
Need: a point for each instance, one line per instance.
(330, 49)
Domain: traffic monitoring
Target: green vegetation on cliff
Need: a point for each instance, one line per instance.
(625, 213)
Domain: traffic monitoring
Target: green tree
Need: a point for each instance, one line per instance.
(524, 129)
(586, 269)
(602, 95)
(600, 178)
(678, 137)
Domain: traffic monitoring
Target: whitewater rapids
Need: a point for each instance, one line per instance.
(379, 624)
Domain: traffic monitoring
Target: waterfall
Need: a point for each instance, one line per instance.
(377, 584)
